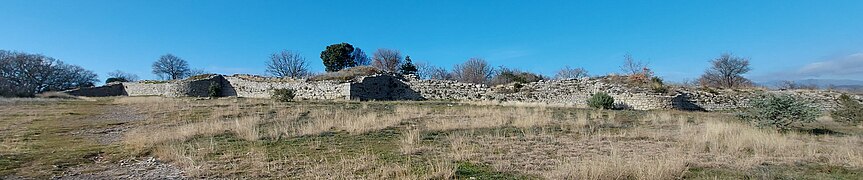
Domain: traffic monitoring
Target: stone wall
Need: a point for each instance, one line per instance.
(113, 89)
(258, 87)
(179, 88)
(570, 92)
(383, 87)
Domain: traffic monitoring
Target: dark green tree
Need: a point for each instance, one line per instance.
(338, 56)
(408, 67)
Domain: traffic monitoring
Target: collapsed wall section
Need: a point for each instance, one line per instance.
(382, 87)
(114, 89)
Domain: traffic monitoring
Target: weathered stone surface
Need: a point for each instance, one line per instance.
(570, 92)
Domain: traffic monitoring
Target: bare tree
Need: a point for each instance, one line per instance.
(571, 73)
(123, 76)
(795, 85)
(23, 74)
(171, 67)
(287, 64)
(727, 72)
(195, 72)
(474, 70)
(631, 66)
(360, 57)
(429, 71)
(387, 60)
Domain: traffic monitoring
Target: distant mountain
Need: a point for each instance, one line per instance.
(845, 84)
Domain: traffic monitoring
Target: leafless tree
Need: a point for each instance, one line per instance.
(360, 57)
(171, 67)
(429, 71)
(631, 66)
(23, 74)
(387, 60)
(128, 77)
(795, 85)
(195, 72)
(571, 73)
(287, 64)
(727, 72)
(474, 70)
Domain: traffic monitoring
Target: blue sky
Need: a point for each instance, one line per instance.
(784, 39)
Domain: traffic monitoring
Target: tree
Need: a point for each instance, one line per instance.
(408, 67)
(794, 85)
(387, 60)
(338, 56)
(637, 71)
(360, 57)
(631, 66)
(120, 76)
(23, 74)
(171, 67)
(428, 71)
(196, 72)
(474, 70)
(727, 72)
(571, 73)
(287, 64)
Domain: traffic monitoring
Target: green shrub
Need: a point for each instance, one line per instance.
(283, 95)
(215, 89)
(849, 111)
(779, 111)
(601, 101)
(657, 86)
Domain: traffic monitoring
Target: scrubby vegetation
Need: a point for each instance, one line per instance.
(601, 101)
(780, 112)
(283, 95)
(347, 74)
(215, 89)
(849, 111)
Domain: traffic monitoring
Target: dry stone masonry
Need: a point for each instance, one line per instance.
(570, 92)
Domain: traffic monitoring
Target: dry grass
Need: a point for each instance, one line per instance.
(569, 143)
(347, 74)
(410, 142)
(617, 167)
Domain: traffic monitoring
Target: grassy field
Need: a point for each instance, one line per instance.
(258, 138)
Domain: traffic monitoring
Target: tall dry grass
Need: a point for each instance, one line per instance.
(615, 166)
(409, 143)
(694, 139)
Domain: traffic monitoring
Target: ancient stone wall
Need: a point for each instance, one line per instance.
(180, 88)
(256, 87)
(383, 87)
(570, 92)
(113, 89)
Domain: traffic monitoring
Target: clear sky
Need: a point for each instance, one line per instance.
(785, 39)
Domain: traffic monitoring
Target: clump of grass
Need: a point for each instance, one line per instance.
(409, 142)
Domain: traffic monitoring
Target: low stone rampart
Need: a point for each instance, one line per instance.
(570, 92)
